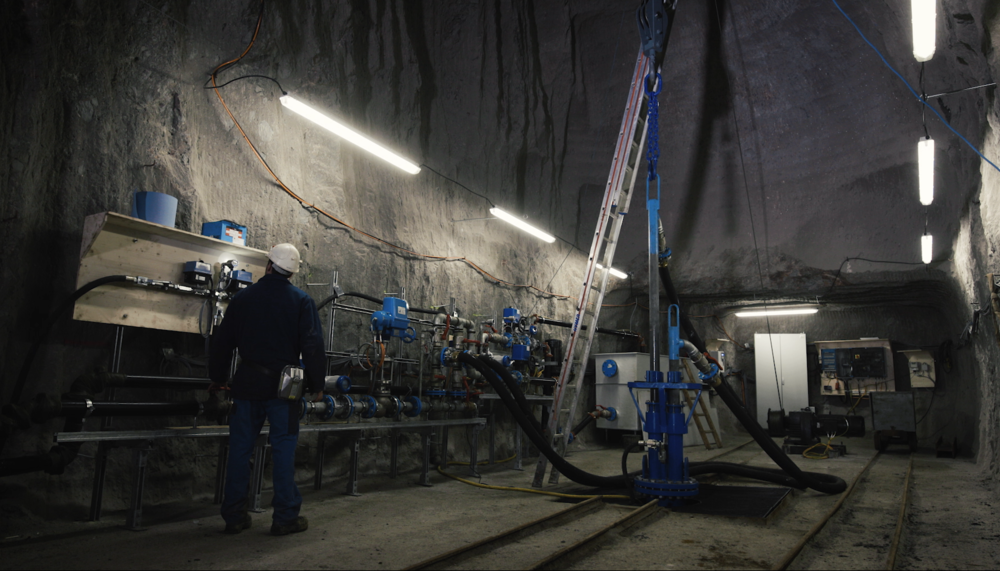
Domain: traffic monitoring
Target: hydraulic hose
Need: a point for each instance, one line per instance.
(514, 389)
(558, 462)
(22, 377)
(824, 483)
(370, 298)
(686, 325)
(567, 324)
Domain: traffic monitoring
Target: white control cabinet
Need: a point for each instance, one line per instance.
(784, 355)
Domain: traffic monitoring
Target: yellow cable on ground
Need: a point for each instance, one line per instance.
(530, 490)
(825, 454)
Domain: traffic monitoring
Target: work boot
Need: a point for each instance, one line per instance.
(235, 527)
(301, 524)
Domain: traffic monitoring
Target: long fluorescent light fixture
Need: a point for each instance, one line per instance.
(348, 134)
(515, 221)
(617, 273)
(774, 312)
(923, 16)
(927, 248)
(925, 160)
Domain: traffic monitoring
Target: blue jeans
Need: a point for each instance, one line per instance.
(245, 421)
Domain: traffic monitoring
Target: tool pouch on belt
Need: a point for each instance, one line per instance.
(291, 383)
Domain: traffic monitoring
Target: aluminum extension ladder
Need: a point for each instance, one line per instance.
(617, 196)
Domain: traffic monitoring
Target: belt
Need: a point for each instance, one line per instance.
(269, 373)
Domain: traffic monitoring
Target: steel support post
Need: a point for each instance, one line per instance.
(101, 458)
(133, 520)
(220, 471)
(425, 465)
(518, 454)
(320, 458)
(474, 451)
(352, 479)
(393, 453)
(444, 446)
(257, 475)
(492, 419)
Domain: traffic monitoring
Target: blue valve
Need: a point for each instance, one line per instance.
(609, 368)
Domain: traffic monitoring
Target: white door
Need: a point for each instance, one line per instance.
(784, 355)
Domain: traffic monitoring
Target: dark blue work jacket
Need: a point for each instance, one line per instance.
(271, 323)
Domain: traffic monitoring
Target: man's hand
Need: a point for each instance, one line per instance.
(318, 397)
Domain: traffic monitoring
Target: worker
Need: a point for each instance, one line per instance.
(273, 324)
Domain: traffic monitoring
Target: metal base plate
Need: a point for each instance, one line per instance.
(736, 501)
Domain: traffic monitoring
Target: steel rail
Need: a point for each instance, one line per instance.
(792, 553)
(891, 561)
(509, 536)
(570, 554)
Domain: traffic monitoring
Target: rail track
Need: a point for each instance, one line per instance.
(543, 543)
(874, 497)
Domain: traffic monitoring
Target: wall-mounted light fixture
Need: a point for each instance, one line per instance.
(348, 134)
(926, 248)
(925, 158)
(776, 311)
(515, 221)
(923, 16)
(617, 273)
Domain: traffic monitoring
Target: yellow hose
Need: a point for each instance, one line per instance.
(529, 490)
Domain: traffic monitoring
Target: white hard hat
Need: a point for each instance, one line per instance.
(285, 257)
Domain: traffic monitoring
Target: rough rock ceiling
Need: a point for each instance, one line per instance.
(828, 134)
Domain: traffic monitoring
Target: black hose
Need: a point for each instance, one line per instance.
(22, 376)
(52, 462)
(558, 462)
(567, 324)
(370, 298)
(686, 325)
(587, 419)
(824, 483)
(514, 389)
(773, 475)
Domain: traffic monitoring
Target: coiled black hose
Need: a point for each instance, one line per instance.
(514, 389)
(558, 462)
(824, 483)
(22, 376)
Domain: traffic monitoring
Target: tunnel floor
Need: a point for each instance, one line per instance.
(950, 523)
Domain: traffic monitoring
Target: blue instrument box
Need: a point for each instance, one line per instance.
(226, 231)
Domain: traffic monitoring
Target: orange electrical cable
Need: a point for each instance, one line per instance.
(312, 206)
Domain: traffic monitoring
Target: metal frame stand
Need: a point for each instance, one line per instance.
(320, 458)
(474, 451)
(394, 453)
(426, 437)
(352, 479)
(220, 472)
(101, 458)
(133, 521)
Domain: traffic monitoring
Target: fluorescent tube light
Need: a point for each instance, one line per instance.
(925, 158)
(923, 15)
(926, 248)
(514, 220)
(618, 274)
(774, 312)
(350, 135)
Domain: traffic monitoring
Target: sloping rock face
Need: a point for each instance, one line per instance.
(781, 134)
